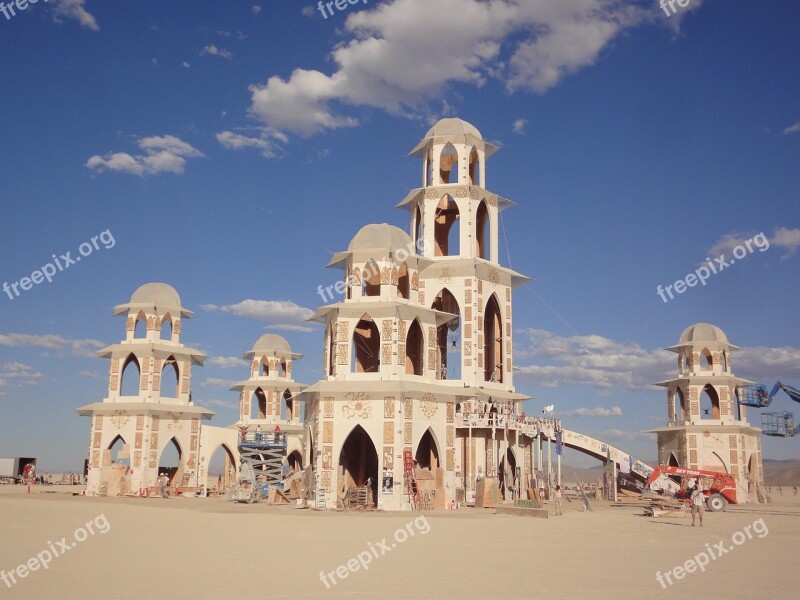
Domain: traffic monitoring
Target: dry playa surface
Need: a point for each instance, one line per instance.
(209, 548)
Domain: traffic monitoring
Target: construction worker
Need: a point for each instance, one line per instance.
(698, 503)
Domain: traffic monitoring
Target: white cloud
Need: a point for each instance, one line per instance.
(219, 403)
(264, 141)
(73, 9)
(226, 362)
(766, 365)
(789, 239)
(217, 382)
(20, 373)
(597, 411)
(83, 347)
(280, 314)
(590, 361)
(308, 11)
(529, 45)
(792, 129)
(255, 9)
(519, 126)
(163, 154)
(92, 374)
(212, 50)
(185, 64)
(298, 328)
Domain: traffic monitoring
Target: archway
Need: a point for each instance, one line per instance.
(295, 461)
(482, 232)
(415, 347)
(371, 279)
(448, 164)
(166, 328)
(448, 337)
(170, 373)
(140, 327)
(493, 341)
(446, 230)
(709, 403)
(358, 464)
(366, 346)
(221, 472)
(258, 404)
(119, 452)
(427, 454)
(507, 473)
(679, 406)
(287, 407)
(714, 462)
(171, 462)
(706, 360)
(130, 377)
(474, 168)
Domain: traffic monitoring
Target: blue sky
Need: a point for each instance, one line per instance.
(229, 148)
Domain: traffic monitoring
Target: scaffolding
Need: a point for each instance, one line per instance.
(778, 424)
(262, 455)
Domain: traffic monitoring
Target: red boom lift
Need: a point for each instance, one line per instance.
(718, 488)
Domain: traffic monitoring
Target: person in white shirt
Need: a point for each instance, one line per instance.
(698, 503)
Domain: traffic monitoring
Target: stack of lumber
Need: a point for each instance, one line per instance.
(666, 507)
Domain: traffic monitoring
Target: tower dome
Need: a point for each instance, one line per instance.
(453, 126)
(381, 237)
(703, 332)
(271, 342)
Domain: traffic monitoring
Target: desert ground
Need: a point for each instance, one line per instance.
(210, 548)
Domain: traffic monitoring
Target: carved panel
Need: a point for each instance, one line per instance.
(421, 297)
(156, 422)
(113, 383)
(480, 305)
(401, 354)
(451, 434)
(138, 440)
(388, 407)
(192, 462)
(385, 275)
(394, 276)
(386, 354)
(407, 437)
(327, 407)
(176, 326)
(692, 441)
(468, 313)
(327, 457)
(153, 458)
(327, 432)
(693, 458)
(402, 330)
(341, 354)
(468, 296)
(415, 281)
(387, 329)
(156, 383)
(154, 440)
(732, 441)
(431, 359)
(358, 405)
(131, 325)
(451, 411)
(428, 406)
(733, 457)
(143, 381)
(480, 286)
(95, 458)
(467, 348)
(343, 331)
(388, 432)
(508, 294)
(137, 459)
(408, 406)
(96, 440)
(326, 480)
(388, 457)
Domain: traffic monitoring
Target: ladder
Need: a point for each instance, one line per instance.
(411, 481)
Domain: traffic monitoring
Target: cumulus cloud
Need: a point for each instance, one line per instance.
(225, 362)
(264, 141)
(85, 347)
(766, 365)
(255, 9)
(590, 361)
(212, 50)
(788, 239)
(219, 403)
(519, 126)
(73, 9)
(217, 382)
(92, 374)
(597, 411)
(792, 129)
(162, 154)
(397, 57)
(280, 314)
(19, 374)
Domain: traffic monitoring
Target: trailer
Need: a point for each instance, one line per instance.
(16, 469)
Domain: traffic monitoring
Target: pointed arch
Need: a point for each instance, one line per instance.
(371, 279)
(448, 337)
(366, 346)
(492, 341)
(681, 408)
(482, 232)
(358, 463)
(294, 461)
(446, 233)
(260, 404)
(428, 174)
(417, 226)
(714, 462)
(427, 454)
(140, 327)
(403, 283)
(725, 361)
(221, 471)
(168, 371)
(474, 167)
(448, 164)
(130, 376)
(119, 452)
(284, 367)
(287, 406)
(170, 461)
(709, 403)
(263, 367)
(507, 472)
(706, 360)
(415, 349)
(165, 332)
(331, 334)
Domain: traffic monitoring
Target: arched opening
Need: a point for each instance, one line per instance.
(166, 328)
(673, 460)
(171, 463)
(753, 473)
(221, 471)
(428, 169)
(130, 378)
(294, 461)
(287, 409)
(284, 368)
(681, 409)
(446, 235)
(358, 464)
(474, 168)
(724, 361)
(709, 403)
(331, 347)
(263, 367)
(414, 349)
(448, 164)
(686, 361)
(492, 341)
(707, 360)
(366, 346)
(119, 452)
(259, 402)
(403, 283)
(416, 227)
(507, 474)
(170, 373)
(482, 234)
(448, 337)
(140, 328)
(427, 454)
(371, 279)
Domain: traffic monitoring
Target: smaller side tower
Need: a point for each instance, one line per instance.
(707, 427)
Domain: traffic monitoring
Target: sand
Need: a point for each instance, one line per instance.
(208, 548)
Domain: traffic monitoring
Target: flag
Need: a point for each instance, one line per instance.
(548, 409)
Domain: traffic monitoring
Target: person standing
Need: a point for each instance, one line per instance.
(557, 495)
(698, 504)
(162, 480)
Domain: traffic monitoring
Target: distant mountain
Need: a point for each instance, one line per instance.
(782, 472)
